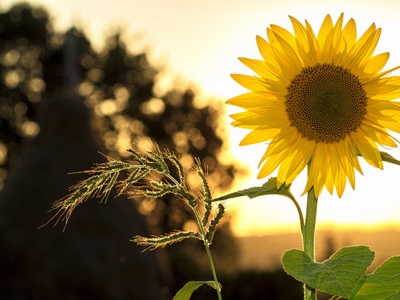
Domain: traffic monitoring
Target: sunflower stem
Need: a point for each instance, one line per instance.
(309, 236)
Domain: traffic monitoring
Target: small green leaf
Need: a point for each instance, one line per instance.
(186, 292)
(388, 158)
(338, 275)
(383, 284)
(268, 188)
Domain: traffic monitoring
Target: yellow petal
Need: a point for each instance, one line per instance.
(385, 97)
(250, 100)
(266, 52)
(330, 182)
(310, 31)
(271, 164)
(393, 126)
(326, 28)
(337, 29)
(328, 51)
(286, 35)
(346, 164)
(258, 66)
(378, 135)
(373, 45)
(301, 34)
(249, 118)
(318, 171)
(376, 63)
(340, 181)
(241, 125)
(259, 136)
(313, 44)
(382, 86)
(251, 83)
(351, 153)
(285, 62)
(302, 159)
(350, 33)
(283, 141)
(295, 64)
(368, 149)
(362, 40)
(361, 53)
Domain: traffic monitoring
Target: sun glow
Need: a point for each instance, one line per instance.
(207, 54)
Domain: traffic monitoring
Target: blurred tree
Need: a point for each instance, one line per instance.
(23, 46)
(31, 64)
(46, 264)
(119, 87)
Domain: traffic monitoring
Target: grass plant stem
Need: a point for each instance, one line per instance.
(207, 246)
(217, 286)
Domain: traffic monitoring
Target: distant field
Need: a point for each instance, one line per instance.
(265, 252)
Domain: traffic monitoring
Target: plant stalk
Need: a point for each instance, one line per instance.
(207, 246)
(217, 287)
(309, 237)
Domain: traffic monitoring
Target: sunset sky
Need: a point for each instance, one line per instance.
(199, 41)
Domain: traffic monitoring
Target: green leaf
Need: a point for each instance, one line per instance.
(338, 275)
(383, 284)
(186, 292)
(388, 158)
(268, 188)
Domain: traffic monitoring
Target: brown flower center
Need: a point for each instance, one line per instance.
(325, 103)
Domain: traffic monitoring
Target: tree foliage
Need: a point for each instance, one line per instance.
(118, 86)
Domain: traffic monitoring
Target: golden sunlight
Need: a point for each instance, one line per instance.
(207, 54)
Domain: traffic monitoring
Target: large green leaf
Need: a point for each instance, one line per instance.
(268, 188)
(186, 292)
(338, 275)
(383, 284)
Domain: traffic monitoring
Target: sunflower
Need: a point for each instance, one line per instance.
(320, 100)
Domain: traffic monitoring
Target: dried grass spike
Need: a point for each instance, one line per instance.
(162, 241)
(214, 223)
(113, 166)
(133, 178)
(137, 155)
(158, 157)
(110, 184)
(178, 166)
(207, 212)
(200, 172)
(155, 194)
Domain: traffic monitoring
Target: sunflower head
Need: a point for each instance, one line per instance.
(319, 100)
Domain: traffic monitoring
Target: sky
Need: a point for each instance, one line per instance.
(199, 41)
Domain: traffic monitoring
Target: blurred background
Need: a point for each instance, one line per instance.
(82, 77)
